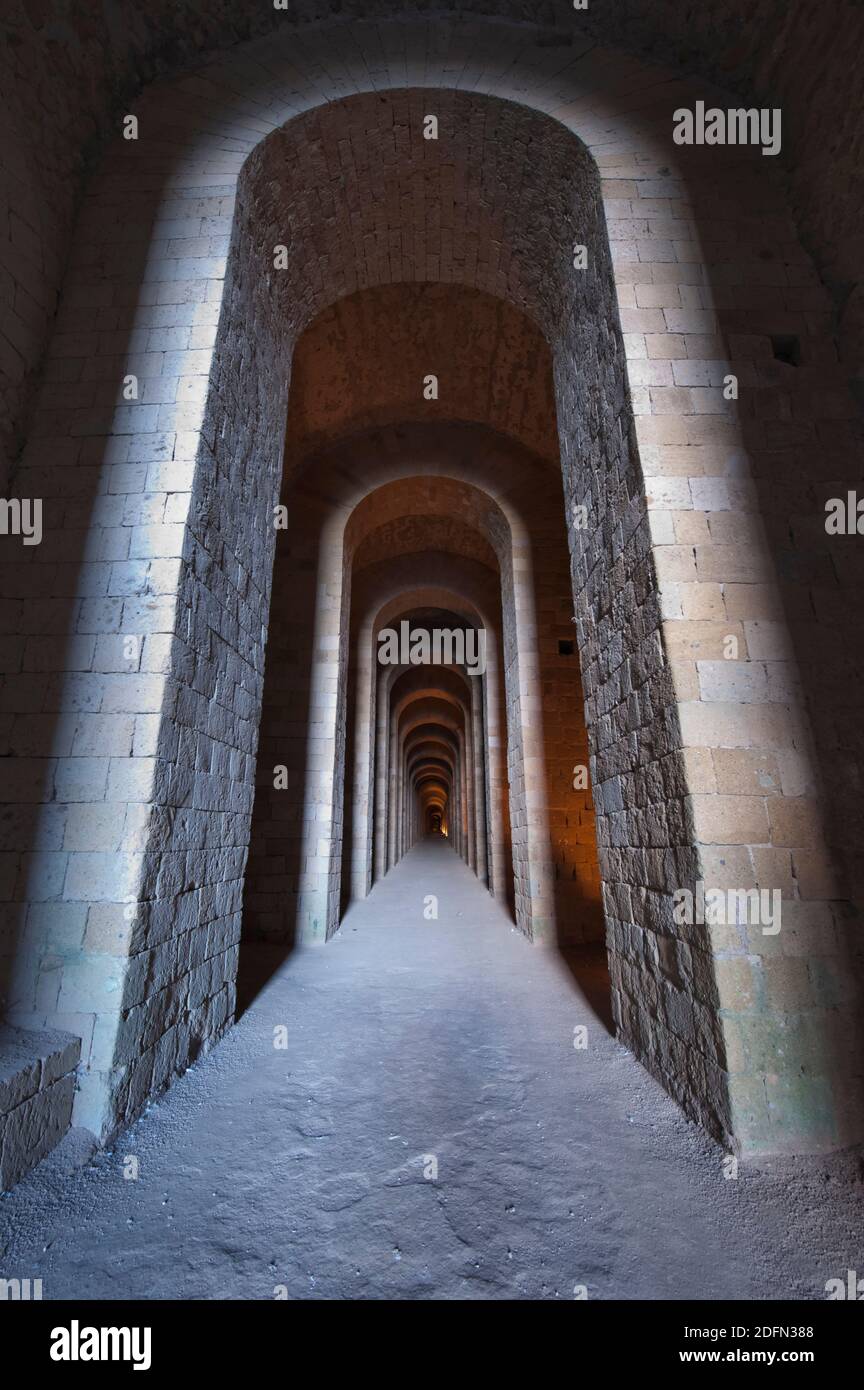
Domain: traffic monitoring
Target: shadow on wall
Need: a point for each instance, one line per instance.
(82, 698)
(274, 867)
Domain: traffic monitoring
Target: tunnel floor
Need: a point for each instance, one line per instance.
(413, 1047)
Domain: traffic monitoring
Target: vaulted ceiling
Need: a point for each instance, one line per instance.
(68, 70)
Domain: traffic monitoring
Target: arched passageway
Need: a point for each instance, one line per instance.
(380, 384)
(496, 589)
(421, 637)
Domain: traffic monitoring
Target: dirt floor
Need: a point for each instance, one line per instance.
(429, 1132)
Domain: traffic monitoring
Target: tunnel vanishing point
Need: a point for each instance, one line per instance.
(333, 322)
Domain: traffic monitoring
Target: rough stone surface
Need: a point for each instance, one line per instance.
(37, 1086)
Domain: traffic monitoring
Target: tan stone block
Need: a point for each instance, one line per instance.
(765, 943)
(670, 601)
(736, 1056)
(787, 984)
(698, 460)
(701, 640)
(796, 821)
(725, 936)
(669, 460)
(649, 372)
(754, 601)
(729, 820)
(675, 563)
(727, 681)
(731, 564)
(737, 985)
(769, 641)
(662, 527)
(703, 603)
(685, 678)
(809, 929)
(798, 775)
(662, 429)
(618, 188)
(699, 769)
(669, 400)
(721, 725)
(746, 771)
(726, 866)
(738, 528)
(704, 346)
(818, 877)
(691, 528)
(658, 296)
(665, 345)
(663, 492)
(774, 870)
(108, 930)
(710, 429)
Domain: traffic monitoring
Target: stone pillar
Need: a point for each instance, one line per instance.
(480, 760)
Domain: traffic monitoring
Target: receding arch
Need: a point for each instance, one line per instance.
(219, 477)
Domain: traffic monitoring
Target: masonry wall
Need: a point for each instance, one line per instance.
(738, 521)
(709, 1015)
(656, 667)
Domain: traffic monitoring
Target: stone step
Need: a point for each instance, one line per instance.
(37, 1087)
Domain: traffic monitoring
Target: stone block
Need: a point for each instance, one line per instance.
(37, 1086)
(729, 820)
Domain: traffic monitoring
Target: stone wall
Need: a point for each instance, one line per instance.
(158, 526)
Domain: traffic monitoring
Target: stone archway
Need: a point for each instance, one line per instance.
(197, 578)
